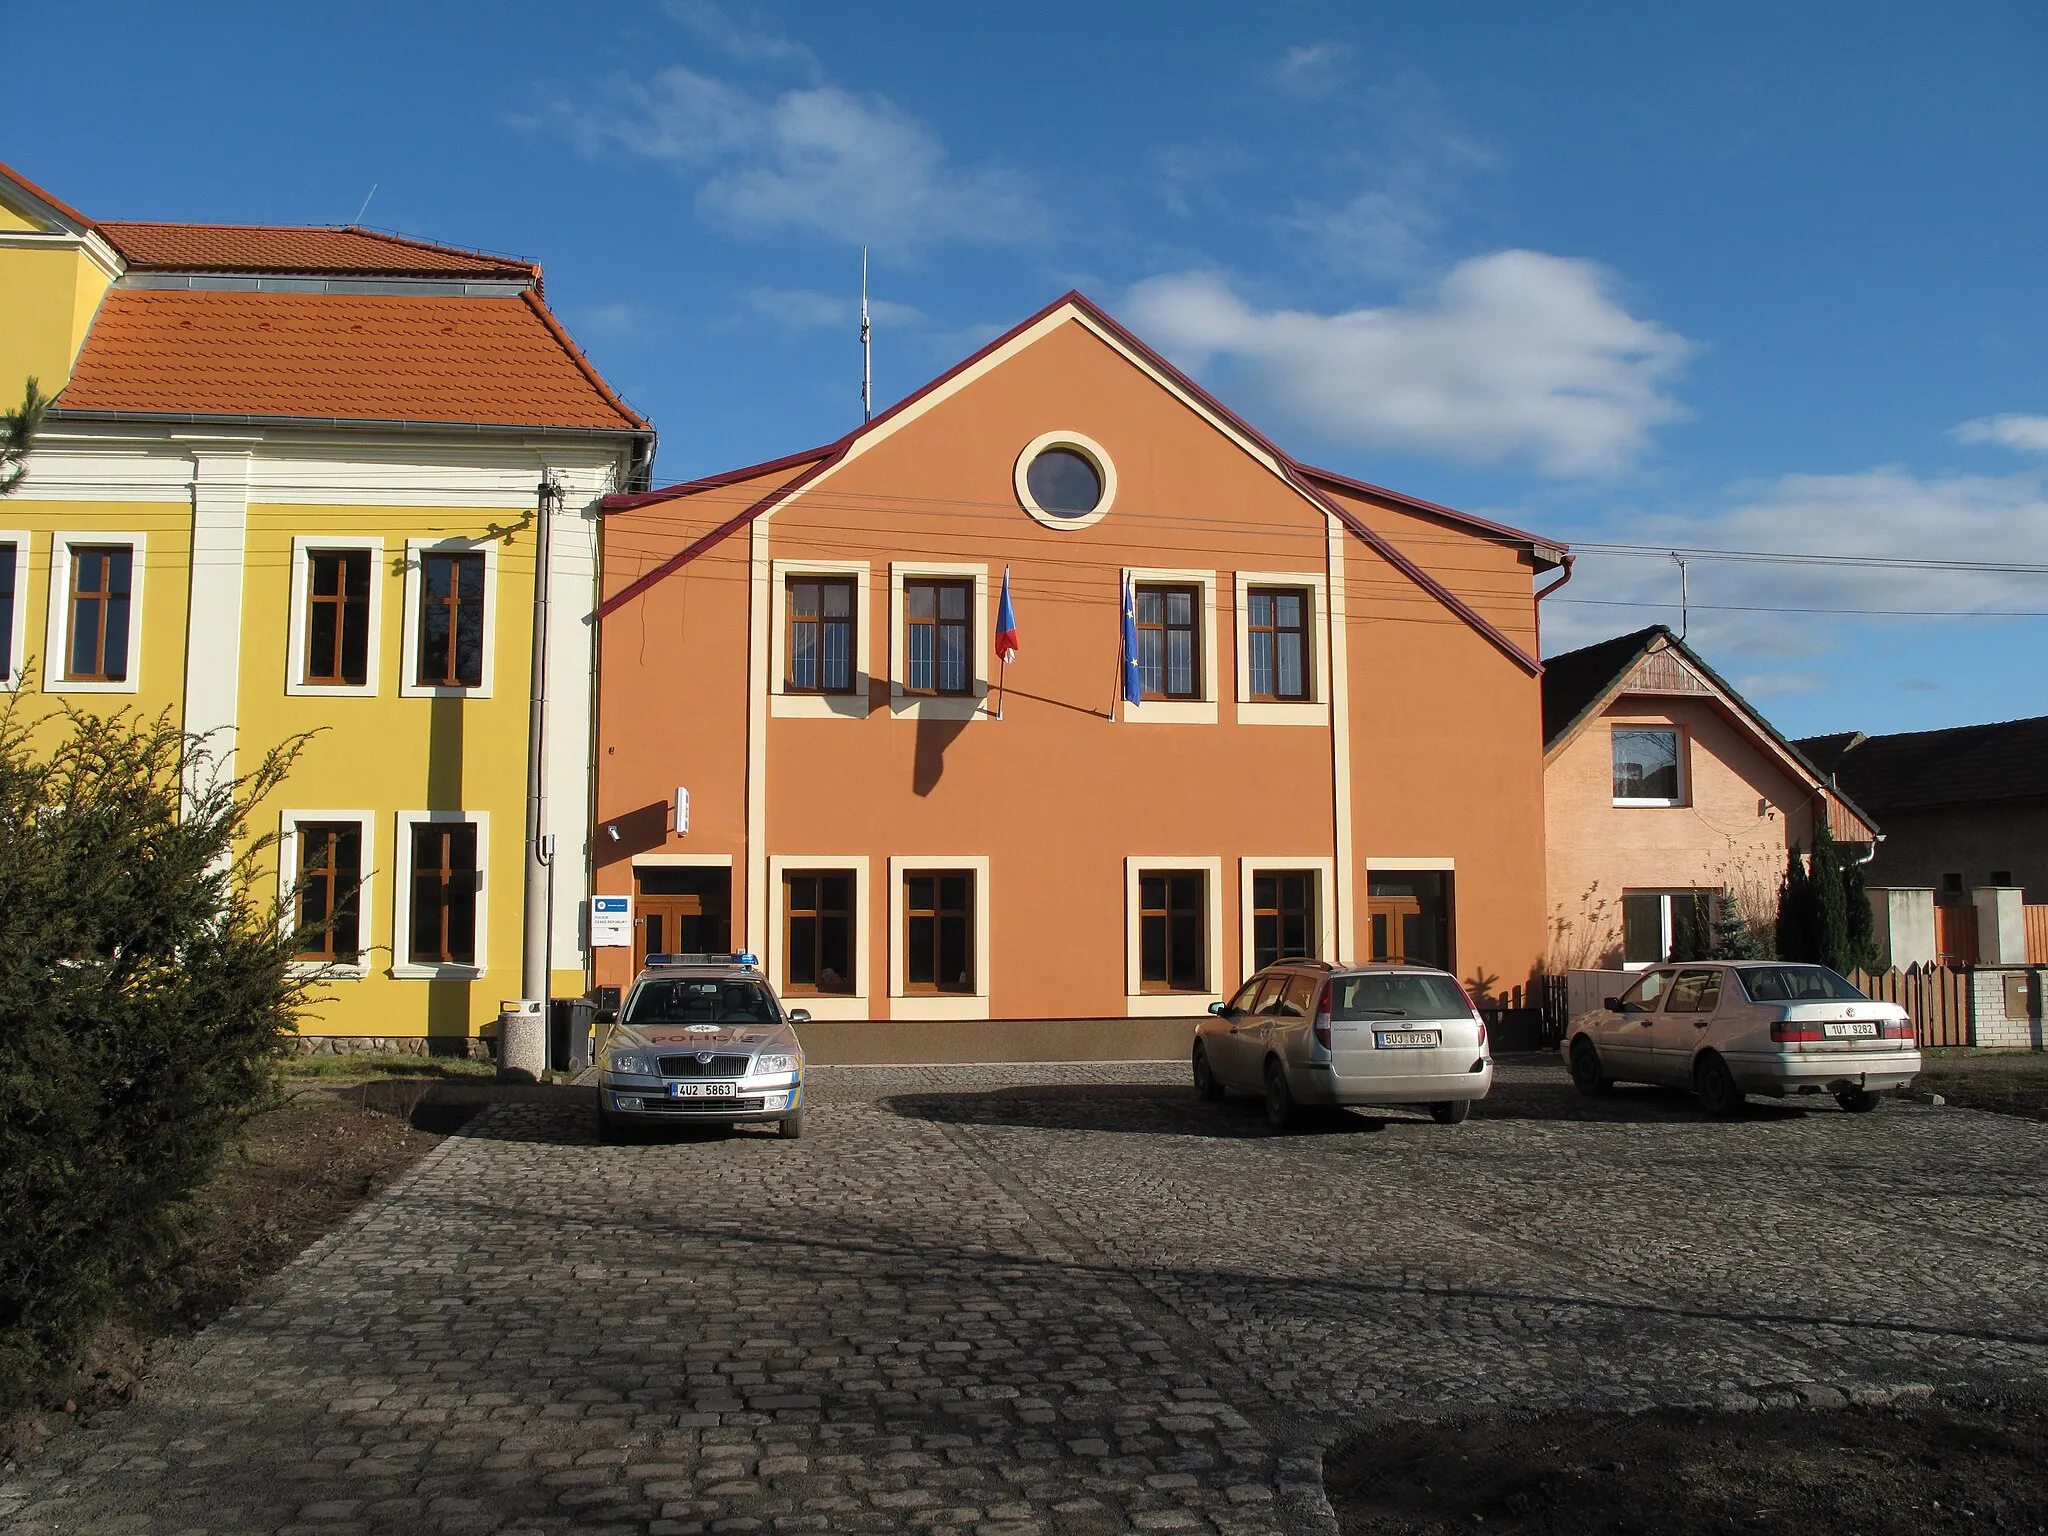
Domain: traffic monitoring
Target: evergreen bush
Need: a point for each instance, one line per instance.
(1734, 937)
(145, 989)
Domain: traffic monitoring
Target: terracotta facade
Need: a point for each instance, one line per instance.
(1029, 845)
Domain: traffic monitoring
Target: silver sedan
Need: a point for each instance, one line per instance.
(1733, 1028)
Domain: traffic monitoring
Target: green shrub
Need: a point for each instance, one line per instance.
(145, 990)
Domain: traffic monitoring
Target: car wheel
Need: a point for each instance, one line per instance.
(1205, 1080)
(1456, 1112)
(1859, 1101)
(789, 1127)
(1586, 1074)
(1279, 1097)
(1715, 1087)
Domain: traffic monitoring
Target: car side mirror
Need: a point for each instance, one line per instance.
(1221, 1010)
(799, 1015)
(1615, 1005)
(607, 1015)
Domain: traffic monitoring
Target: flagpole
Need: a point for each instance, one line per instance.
(1002, 672)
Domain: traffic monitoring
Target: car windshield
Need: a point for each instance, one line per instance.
(1391, 995)
(701, 1000)
(1796, 984)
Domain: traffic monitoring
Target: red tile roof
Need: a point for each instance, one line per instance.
(8, 173)
(365, 357)
(298, 252)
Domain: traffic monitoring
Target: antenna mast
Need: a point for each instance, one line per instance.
(867, 351)
(1684, 595)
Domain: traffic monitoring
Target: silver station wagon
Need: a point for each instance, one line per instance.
(700, 1038)
(1729, 1029)
(1305, 1032)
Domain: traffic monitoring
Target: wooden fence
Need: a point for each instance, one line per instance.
(2037, 934)
(1937, 996)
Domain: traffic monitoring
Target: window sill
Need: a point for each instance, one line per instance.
(1170, 712)
(430, 691)
(410, 972)
(1274, 712)
(331, 690)
(328, 970)
(1168, 1005)
(68, 685)
(941, 706)
(820, 706)
(1650, 805)
(938, 1006)
(827, 1005)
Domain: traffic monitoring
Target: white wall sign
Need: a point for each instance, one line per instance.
(611, 922)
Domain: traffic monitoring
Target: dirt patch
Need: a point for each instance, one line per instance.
(303, 1167)
(1874, 1470)
(2007, 1082)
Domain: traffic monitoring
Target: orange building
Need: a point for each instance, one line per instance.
(807, 745)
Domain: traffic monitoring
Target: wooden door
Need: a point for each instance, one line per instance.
(1396, 926)
(682, 911)
(1955, 935)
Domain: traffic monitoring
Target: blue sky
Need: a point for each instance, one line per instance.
(1744, 276)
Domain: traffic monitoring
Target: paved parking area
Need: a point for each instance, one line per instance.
(1064, 1300)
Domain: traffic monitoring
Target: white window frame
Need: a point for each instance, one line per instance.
(834, 1005)
(401, 896)
(24, 549)
(1684, 738)
(289, 823)
(1090, 450)
(1323, 867)
(1315, 709)
(1139, 1003)
(905, 705)
(58, 659)
(820, 706)
(303, 546)
(1664, 895)
(904, 1004)
(1202, 711)
(408, 665)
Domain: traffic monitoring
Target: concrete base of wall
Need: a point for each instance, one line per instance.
(458, 1046)
(904, 1042)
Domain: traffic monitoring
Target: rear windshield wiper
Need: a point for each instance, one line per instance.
(1383, 1013)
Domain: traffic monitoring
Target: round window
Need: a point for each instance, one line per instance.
(1065, 480)
(1064, 483)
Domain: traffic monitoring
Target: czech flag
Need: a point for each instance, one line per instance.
(1006, 624)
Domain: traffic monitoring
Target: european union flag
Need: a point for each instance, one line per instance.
(1130, 644)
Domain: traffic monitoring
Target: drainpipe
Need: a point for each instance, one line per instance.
(523, 1027)
(1543, 592)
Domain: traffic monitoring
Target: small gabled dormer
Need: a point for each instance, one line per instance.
(54, 269)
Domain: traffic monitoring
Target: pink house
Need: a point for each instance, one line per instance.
(1666, 795)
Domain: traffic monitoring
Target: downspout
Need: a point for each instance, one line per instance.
(1543, 592)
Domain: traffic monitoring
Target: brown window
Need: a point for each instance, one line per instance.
(338, 617)
(1283, 916)
(444, 890)
(451, 621)
(330, 873)
(1173, 930)
(820, 635)
(1169, 642)
(938, 931)
(938, 636)
(100, 586)
(817, 931)
(1276, 623)
(8, 556)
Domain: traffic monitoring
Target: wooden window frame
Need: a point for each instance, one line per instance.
(1305, 631)
(417, 552)
(938, 585)
(866, 975)
(405, 860)
(290, 860)
(790, 913)
(1166, 914)
(102, 599)
(1197, 659)
(1310, 912)
(792, 621)
(454, 604)
(913, 916)
(328, 877)
(64, 546)
(342, 604)
(11, 605)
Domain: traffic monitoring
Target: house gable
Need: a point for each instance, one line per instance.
(1310, 489)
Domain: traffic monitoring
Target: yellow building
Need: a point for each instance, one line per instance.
(291, 483)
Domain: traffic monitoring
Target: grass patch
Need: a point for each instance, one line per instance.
(2007, 1082)
(361, 1065)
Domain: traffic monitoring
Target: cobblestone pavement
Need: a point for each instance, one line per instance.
(1063, 1300)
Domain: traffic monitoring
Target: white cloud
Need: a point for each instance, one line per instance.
(760, 43)
(1764, 685)
(806, 309)
(1312, 69)
(616, 322)
(1753, 610)
(2027, 433)
(820, 159)
(1512, 356)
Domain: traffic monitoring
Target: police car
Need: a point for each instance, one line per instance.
(700, 1038)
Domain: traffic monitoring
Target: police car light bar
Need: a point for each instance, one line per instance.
(743, 957)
